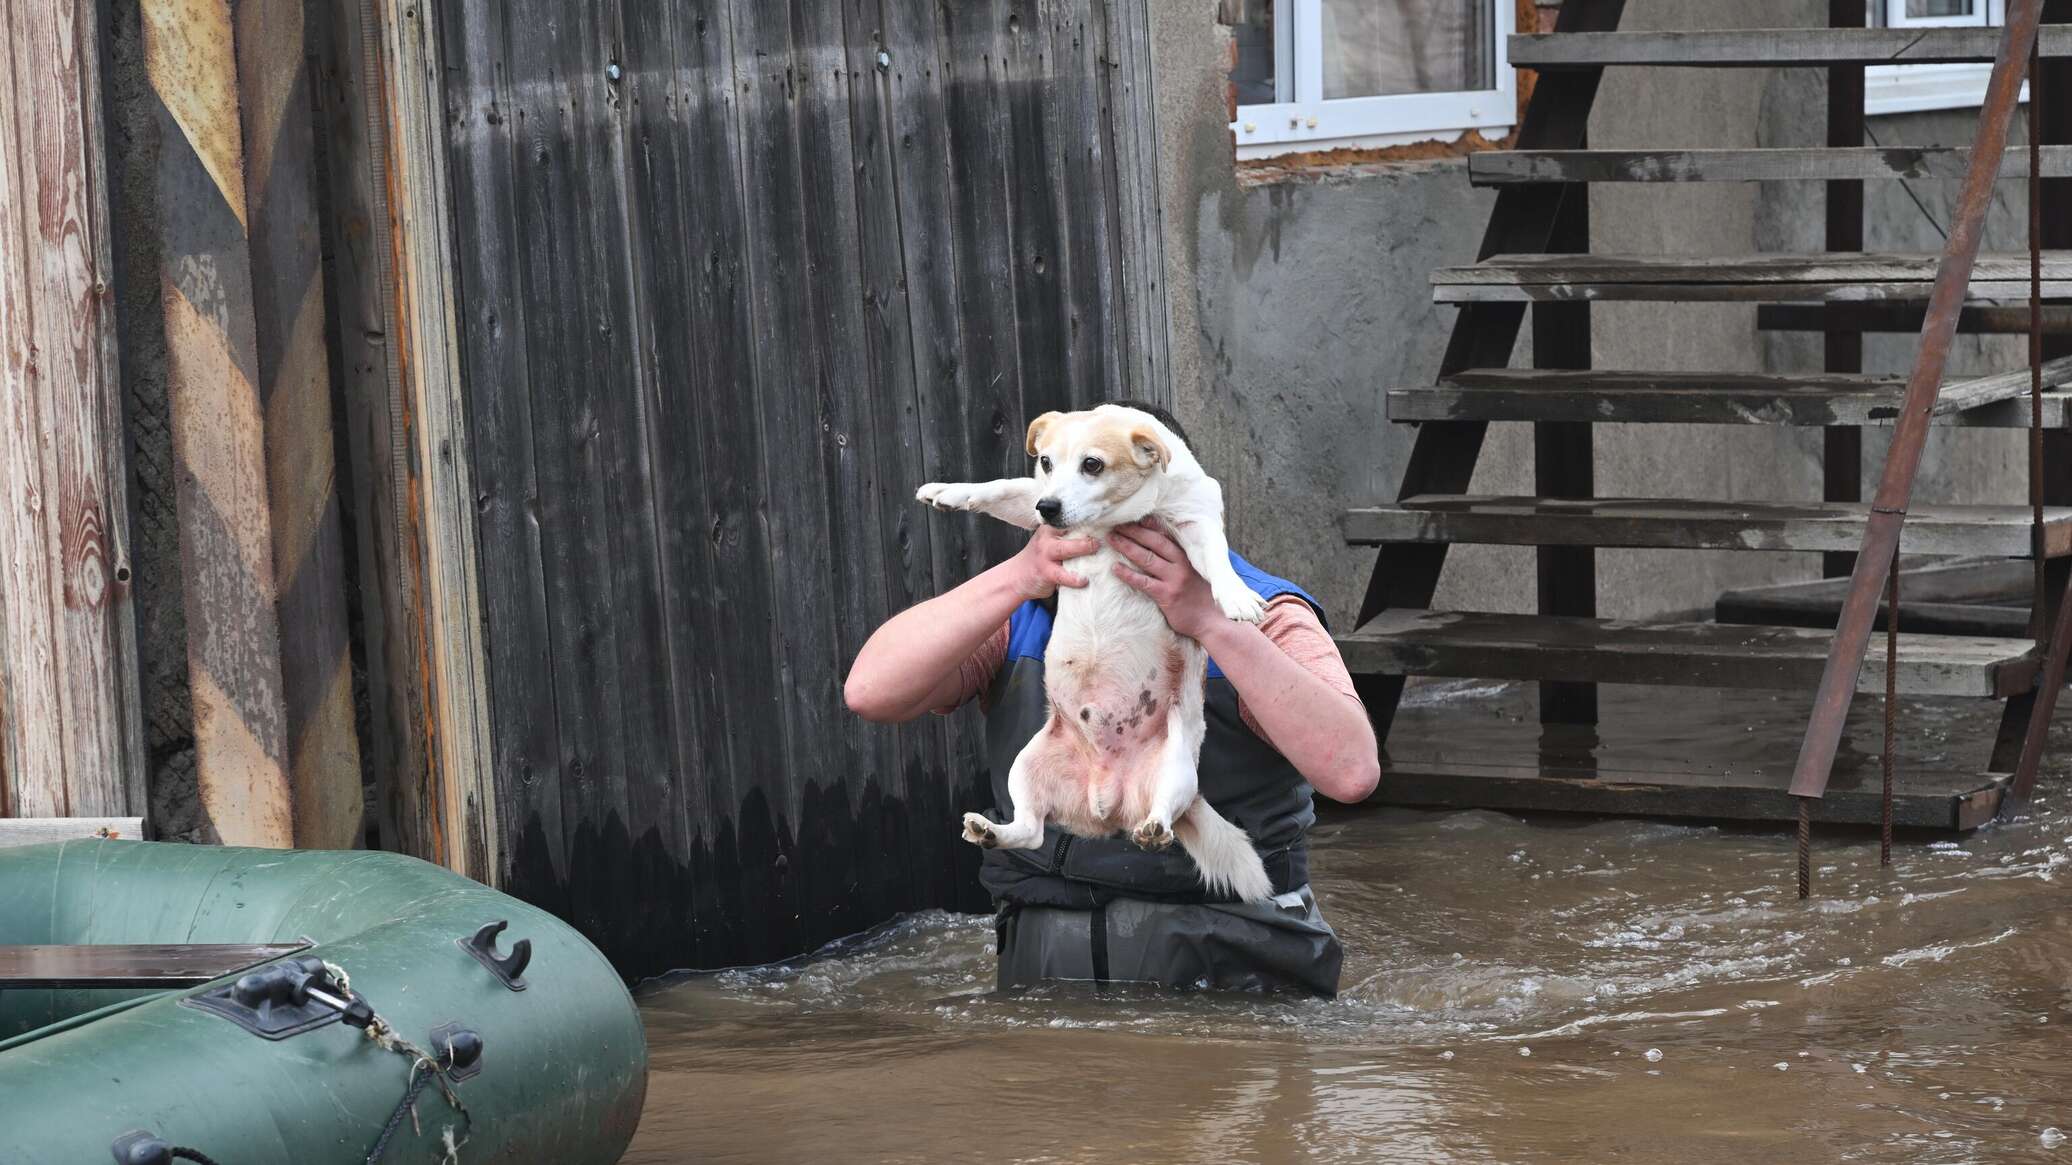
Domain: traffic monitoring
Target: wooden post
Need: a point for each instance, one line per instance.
(1564, 460)
(382, 107)
(71, 740)
(249, 383)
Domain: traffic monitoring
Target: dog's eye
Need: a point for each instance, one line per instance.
(1043, 463)
(1091, 467)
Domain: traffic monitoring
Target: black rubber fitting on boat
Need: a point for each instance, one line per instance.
(138, 1147)
(508, 968)
(459, 1050)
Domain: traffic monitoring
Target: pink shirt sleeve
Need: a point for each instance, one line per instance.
(1294, 628)
(976, 673)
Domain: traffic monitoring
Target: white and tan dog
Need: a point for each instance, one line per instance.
(1119, 749)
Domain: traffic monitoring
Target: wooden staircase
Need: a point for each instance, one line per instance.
(1534, 256)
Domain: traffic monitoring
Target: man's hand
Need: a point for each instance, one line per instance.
(1039, 565)
(1163, 572)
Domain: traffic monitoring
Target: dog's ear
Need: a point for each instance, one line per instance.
(1150, 450)
(1036, 428)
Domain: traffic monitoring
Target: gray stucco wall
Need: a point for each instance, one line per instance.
(1295, 303)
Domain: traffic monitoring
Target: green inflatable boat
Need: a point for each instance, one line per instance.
(391, 1014)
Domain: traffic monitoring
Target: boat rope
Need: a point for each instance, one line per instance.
(425, 1068)
(181, 1152)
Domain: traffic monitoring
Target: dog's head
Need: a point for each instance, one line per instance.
(1094, 466)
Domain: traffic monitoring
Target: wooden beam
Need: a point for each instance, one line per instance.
(71, 738)
(1694, 398)
(219, 423)
(1841, 446)
(1693, 524)
(1563, 458)
(1705, 655)
(294, 387)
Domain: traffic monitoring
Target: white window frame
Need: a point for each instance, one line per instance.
(1304, 120)
(1915, 88)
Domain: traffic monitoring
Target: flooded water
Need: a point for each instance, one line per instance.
(1516, 990)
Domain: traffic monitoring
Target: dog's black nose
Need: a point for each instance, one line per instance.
(1049, 508)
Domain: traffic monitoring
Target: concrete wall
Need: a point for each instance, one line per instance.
(1295, 302)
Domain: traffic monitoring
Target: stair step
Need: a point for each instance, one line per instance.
(1530, 782)
(1769, 47)
(1702, 398)
(1482, 645)
(1699, 525)
(1838, 277)
(1509, 167)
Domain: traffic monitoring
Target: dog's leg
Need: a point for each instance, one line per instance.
(1010, 499)
(1202, 538)
(1176, 786)
(1026, 830)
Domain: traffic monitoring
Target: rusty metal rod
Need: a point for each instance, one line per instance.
(1891, 712)
(2039, 609)
(1805, 848)
(1903, 455)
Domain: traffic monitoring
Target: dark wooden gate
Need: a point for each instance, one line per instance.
(734, 278)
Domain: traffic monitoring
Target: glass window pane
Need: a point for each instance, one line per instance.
(1922, 9)
(1255, 73)
(1374, 48)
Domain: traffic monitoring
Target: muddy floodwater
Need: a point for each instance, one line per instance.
(1516, 990)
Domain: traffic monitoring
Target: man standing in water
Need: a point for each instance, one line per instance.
(1283, 720)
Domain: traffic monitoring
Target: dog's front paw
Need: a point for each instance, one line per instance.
(1238, 602)
(1153, 835)
(978, 831)
(945, 496)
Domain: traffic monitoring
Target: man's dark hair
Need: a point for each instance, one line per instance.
(1163, 417)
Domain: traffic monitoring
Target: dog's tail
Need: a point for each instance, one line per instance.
(1228, 863)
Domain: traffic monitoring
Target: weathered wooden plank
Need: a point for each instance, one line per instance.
(39, 830)
(71, 739)
(942, 394)
(1771, 47)
(737, 671)
(1964, 580)
(1921, 800)
(1988, 596)
(1698, 525)
(1768, 291)
(1834, 163)
(1841, 446)
(1132, 115)
(1036, 240)
(1983, 391)
(1531, 647)
(972, 41)
(1835, 268)
(450, 816)
(1806, 399)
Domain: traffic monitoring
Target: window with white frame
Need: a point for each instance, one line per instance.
(1335, 74)
(1913, 88)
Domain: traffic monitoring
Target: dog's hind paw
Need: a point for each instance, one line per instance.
(1153, 835)
(978, 831)
(1238, 602)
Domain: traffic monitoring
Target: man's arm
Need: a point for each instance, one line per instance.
(909, 666)
(1325, 735)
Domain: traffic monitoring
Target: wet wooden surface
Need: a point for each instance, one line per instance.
(117, 965)
(1527, 647)
(1838, 277)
